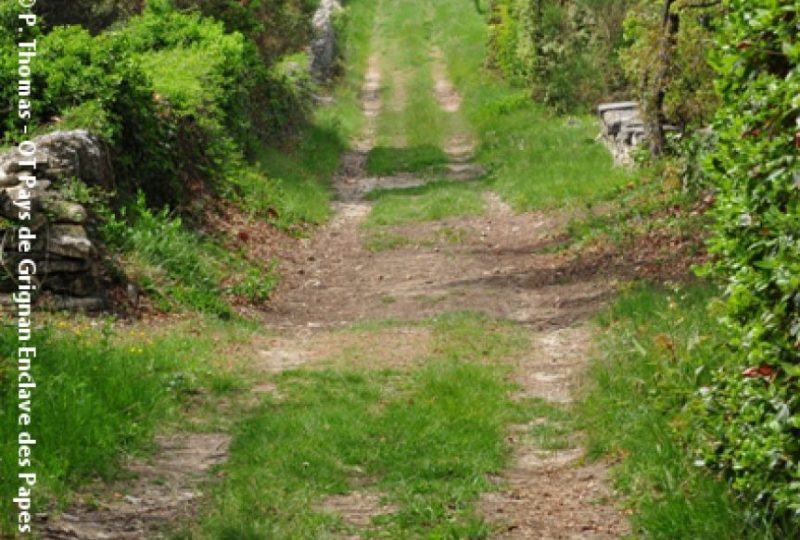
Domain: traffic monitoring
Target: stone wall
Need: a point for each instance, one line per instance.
(323, 45)
(69, 269)
(622, 129)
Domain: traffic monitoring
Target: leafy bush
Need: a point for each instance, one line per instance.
(751, 412)
(277, 27)
(179, 98)
(657, 348)
(688, 82)
(565, 51)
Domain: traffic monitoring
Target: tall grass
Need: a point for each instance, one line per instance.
(658, 349)
(537, 159)
(180, 268)
(100, 396)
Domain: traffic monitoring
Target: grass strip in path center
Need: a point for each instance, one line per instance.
(424, 439)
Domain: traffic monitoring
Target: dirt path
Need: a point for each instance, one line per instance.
(165, 491)
(499, 263)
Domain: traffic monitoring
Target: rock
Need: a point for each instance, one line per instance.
(323, 45)
(623, 129)
(61, 211)
(69, 241)
(323, 100)
(73, 285)
(89, 304)
(63, 155)
(67, 261)
(59, 265)
(8, 179)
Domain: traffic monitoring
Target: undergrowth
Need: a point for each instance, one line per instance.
(102, 393)
(658, 350)
(178, 267)
(536, 159)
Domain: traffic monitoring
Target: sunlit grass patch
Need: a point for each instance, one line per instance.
(102, 393)
(426, 437)
(431, 202)
(385, 161)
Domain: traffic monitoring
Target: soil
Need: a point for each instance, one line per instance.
(448, 97)
(165, 491)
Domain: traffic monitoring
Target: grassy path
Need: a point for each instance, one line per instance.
(414, 379)
(421, 381)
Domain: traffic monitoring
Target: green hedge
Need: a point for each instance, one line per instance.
(750, 415)
(180, 98)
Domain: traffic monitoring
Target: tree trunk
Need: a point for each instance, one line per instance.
(669, 32)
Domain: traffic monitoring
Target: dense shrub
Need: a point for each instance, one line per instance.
(687, 80)
(94, 15)
(180, 98)
(275, 26)
(751, 413)
(565, 51)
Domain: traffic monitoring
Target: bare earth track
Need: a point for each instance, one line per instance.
(500, 266)
(498, 263)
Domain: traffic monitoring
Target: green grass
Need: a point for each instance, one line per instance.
(101, 395)
(537, 159)
(403, 41)
(427, 437)
(290, 186)
(385, 161)
(431, 202)
(658, 349)
(178, 267)
(381, 240)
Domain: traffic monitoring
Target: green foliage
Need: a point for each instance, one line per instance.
(179, 98)
(94, 15)
(751, 418)
(566, 52)
(689, 98)
(168, 260)
(277, 27)
(179, 267)
(534, 159)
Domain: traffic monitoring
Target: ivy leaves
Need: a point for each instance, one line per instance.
(753, 423)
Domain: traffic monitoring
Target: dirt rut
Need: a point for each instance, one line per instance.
(165, 492)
